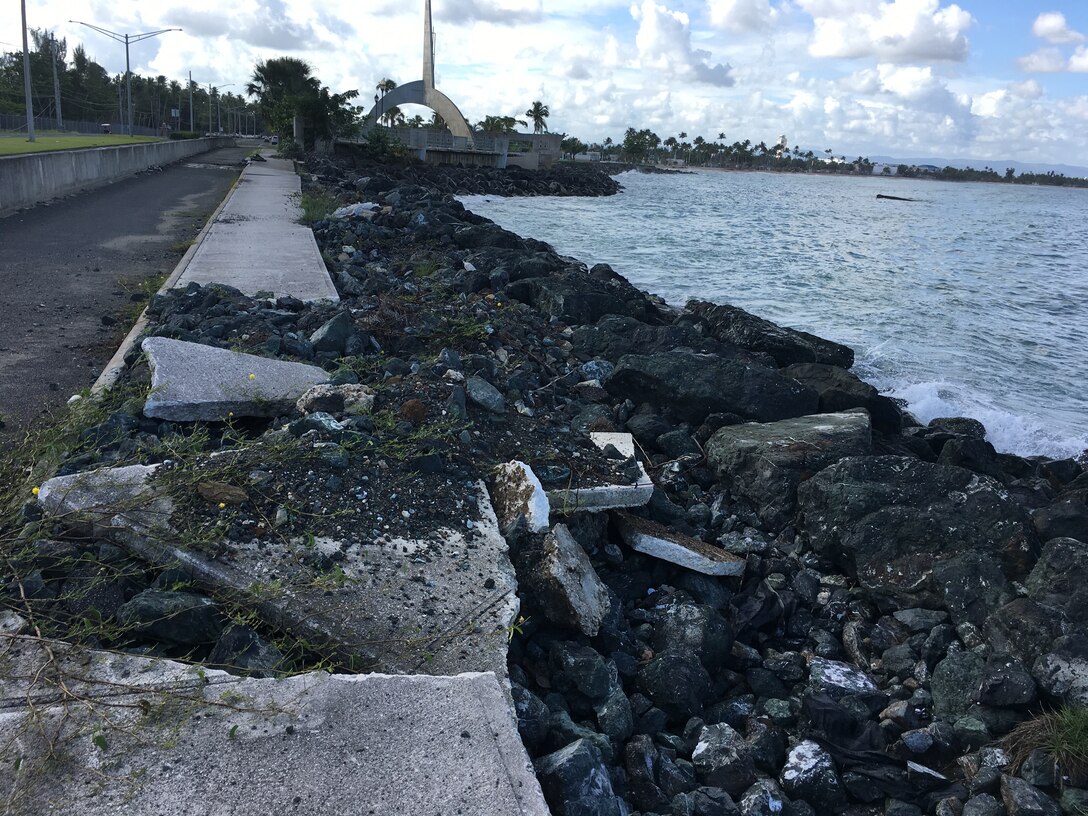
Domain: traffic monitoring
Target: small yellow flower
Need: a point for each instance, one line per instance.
(222, 505)
(230, 413)
(36, 491)
(253, 376)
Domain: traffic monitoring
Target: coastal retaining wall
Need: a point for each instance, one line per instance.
(33, 178)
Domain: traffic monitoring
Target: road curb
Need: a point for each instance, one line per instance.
(116, 365)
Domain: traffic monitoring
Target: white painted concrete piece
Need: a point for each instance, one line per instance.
(153, 736)
(191, 381)
(660, 542)
(256, 243)
(606, 497)
(516, 490)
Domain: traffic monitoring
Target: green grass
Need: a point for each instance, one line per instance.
(15, 145)
(316, 206)
(1063, 734)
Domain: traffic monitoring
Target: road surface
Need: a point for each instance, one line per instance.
(69, 273)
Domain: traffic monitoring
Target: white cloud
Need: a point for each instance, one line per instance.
(899, 31)
(743, 15)
(501, 12)
(1052, 27)
(664, 42)
(1043, 61)
(1079, 61)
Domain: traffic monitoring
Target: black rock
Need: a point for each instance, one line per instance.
(580, 667)
(677, 683)
(1006, 682)
(723, 759)
(1022, 799)
(532, 717)
(575, 782)
(810, 774)
(787, 346)
(694, 386)
(181, 618)
(893, 521)
(240, 650)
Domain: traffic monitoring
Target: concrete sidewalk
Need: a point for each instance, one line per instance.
(256, 243)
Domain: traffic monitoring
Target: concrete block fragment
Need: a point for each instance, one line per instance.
(660, 542)
(190, 381)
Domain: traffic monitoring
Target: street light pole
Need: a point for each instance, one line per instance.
(26, 82)
(126, 39)
(214, 89)
(190, 101)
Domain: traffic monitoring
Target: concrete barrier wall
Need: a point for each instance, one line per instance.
(32, 178)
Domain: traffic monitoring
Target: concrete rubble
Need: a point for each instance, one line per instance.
(101, 733)
(191, 381)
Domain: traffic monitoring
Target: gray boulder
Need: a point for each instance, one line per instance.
(955, 684)
(810, 774)
(696, 385)
(1062, 677)
(334, 334)
(787, 346)
(566, 586)
(892, 521)
(1023, 799)
(1060, 580)
(766, 462)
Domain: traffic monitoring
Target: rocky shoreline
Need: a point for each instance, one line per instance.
(822, 606)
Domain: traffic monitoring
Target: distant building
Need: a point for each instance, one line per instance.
(590, 156)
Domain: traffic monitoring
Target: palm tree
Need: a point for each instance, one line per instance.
(539, 113)
(500, 124)
(276, 82)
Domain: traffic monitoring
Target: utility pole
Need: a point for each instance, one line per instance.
(26, 82)
(126, 39)
(190, 101)
(56, 83)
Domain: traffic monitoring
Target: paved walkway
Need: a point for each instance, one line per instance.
(68, 269)
(256, 243)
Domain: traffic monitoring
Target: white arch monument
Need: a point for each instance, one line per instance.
(423, 92)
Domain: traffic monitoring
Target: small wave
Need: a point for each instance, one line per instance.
(1006, 431)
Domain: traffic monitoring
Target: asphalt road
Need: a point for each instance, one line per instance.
(69, 272)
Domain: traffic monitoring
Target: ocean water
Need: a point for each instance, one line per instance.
(971, 300)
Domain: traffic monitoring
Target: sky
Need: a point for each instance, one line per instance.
(976, 79)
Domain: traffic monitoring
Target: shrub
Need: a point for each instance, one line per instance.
(1063, 734)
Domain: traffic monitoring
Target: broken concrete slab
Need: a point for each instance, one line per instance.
(190, 381)
(438, 603)
(333, 399)
(606, 497)
(109, 499)
(653, 539)
(568, 588)
(141, 736)
(765, 462)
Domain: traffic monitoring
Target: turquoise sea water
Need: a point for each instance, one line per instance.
(971, 300)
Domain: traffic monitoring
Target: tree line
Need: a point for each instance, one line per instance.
(88, 93)
(989, 174)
